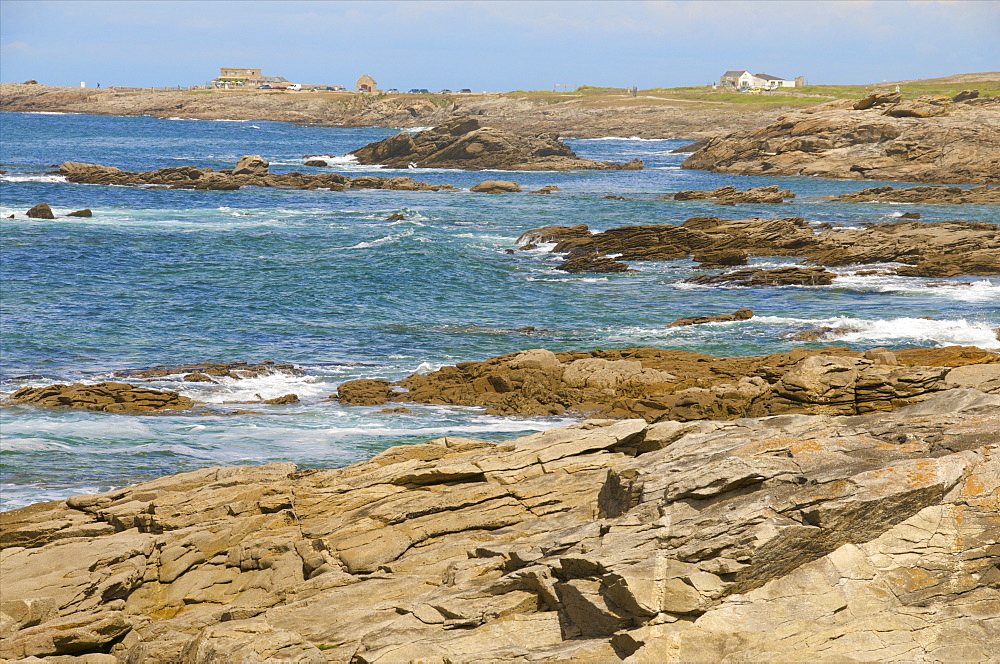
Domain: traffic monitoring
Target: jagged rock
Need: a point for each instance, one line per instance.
(81, 213)
(108, 397)
(925, 194)
(741, 314)
(720, 257)
(911, 141)
(365, 392)
(965, 95)
(41, 211)
(235, 370)
(868, 537)
(946, 248)
(251, 164)
(282, 400)
(592, 263)
(910, 215)
(395, 216)
(252, 171)
(463, 143)
(877, 99)
(496, 187)
(785, 276)
(729, 195)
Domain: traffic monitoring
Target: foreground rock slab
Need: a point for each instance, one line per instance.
(933, 194)
(463, 143)
(931, 140)
(783, 538)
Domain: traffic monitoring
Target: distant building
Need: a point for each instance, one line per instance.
(366, 84)
(249, 78)
(743, 79)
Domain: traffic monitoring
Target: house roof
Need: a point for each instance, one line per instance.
(735, 72)
(768, 77)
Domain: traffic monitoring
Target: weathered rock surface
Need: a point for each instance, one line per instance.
(463, 143)
(496, 187)
(212, 370)
(796, 537)
(927, 194)
(250, 171)
(86, 212)
(938, 249)
(741, 314)
(108, 397)
(785, 276)
(933, 139)
(41, 211)
(730, 195)
(592, 263)
(662, 384)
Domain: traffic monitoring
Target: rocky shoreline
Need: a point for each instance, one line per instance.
(821, 537)
(935, 139)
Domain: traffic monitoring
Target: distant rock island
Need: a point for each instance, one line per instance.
(464, 143)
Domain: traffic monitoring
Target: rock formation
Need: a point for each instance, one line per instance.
(730, 195)
(250, 171)
(926, 194)
(108, 397)
(937, 249)
(934, 139)
(791, 538)
(463, 143)
(496, 187)
(741, 314)
(785, 276)
(210, 370)
(662, 384)
(41, 211)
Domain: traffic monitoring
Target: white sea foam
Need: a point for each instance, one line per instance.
(414, 130)
(46, 177)
(947, 332)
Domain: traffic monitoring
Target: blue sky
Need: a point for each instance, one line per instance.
(494, 45)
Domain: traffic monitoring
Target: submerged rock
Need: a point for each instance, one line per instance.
(209, 370)
(81, 213)
(783, 538)
(463, 143)
(786, 276)
(496, 187)
(741, 314)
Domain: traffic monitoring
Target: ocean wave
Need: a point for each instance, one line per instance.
(47, 177)
(946, 332)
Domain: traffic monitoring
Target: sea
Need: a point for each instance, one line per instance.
(323, 280)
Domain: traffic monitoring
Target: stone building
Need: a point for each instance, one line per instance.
(366, 84)
(741, 78)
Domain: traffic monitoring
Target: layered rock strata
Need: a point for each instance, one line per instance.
(108, 397)
(662, 384)
(932, 249)
(248, 173)
(730, 195)
(463, 143)
(212, 370)
(929, 140)
(799, 537)
(933, 194)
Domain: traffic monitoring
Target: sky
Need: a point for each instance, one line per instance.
(494, 45)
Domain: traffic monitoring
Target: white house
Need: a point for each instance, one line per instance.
(741, 78)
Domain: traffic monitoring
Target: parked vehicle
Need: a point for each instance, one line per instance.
(264, 87)
(295, 86)
(392, 90)
(445, 91)
(414, 90)
(465, 90)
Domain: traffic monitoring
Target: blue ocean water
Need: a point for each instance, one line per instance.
(322, 280)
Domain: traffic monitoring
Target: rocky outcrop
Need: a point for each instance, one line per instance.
(785, 276)
(928, 194)
(592, 263)
(86, 212)
(41, 211)
(946, 248)
(730, 195)
(933, 139)
(496, 187)
(251, 171)
(212, 370)
(662, 384)
(463, 143)
(741, 314)
(800, 537)
(107, 397)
